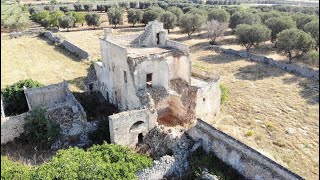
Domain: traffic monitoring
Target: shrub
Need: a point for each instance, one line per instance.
(67, 22)
(39, 129)
(115, 16)
(98, 162)
(252, 35)
(216, 30)
(77, 7)
(93, 19)
(12, 170)
(64, 9)
(54, 18)
(14, 97)
(224, 93)
(250, 133)
(314, 57)
(14, 17)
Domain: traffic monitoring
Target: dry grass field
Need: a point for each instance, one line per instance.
(281, 109)
(33, 57)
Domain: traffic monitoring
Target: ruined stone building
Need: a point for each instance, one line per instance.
(149, 79)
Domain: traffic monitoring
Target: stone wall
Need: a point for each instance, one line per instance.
(28, 32)
(247, 161)
(294, 68)
(177, 45)
(69, 46)
(11, 127)
(125, 127)
(47, 96)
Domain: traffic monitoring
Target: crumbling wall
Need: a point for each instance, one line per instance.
(69, 46)
(247, 161)
(149, 37)
(179, 67)
(11, 127)
(295, 68)
(46, 96)
(114, 77)
(125, 127)
(178, 45)
(208, 97)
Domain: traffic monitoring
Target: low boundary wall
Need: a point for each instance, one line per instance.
(247, 161)
(293, 68)
(69, 46)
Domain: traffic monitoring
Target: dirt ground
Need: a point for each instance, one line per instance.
(281, 109)
(35, 58)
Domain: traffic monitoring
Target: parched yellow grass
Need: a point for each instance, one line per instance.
(268, 102)
(32, 57)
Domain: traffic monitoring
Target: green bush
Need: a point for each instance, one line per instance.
(39, 129)
(15, 101)
(98, 162)
(11, 170)
(224, 93)
(314, 57)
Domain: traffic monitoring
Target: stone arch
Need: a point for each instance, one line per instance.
(136, 126)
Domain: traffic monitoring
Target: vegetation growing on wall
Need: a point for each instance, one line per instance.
(15, 101)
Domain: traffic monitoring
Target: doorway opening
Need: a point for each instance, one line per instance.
(158, 38)
(149, 80)
(140, 138)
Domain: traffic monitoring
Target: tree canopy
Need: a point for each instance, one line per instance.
(115, 16)
(169, 20)
(220, 15)
(191, 23)
(244, 17)
(252, 35)
(135, 16)
(278, 24)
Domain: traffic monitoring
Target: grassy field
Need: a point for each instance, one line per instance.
(35, 58)
(279, 109)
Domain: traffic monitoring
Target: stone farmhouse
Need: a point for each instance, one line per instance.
(149, 79)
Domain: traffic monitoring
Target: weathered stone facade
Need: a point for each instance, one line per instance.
(137, 69)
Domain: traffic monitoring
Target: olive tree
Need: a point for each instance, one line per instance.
(169, 20)
(135, 16)
(88, 7)
(93, 19)
(294, 41)
(252, 35)
(176, 11)
(216, 30)
(220, 15)
(313, 28)
(278, 24)
(54, 18)
(303, 19)
(152, 14)
(67, 22)
(115, 16)
(191, 23)
(244, 17)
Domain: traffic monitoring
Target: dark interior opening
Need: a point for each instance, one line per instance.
(140, 138)
(91, 86)
(158, 38)
(149, 80)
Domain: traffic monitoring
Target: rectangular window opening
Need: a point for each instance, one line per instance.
(125, 76)
(149, 80)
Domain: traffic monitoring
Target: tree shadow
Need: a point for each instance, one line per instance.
(60, 49)
(218, 58)
(258, 71)
(19, 150)
(77, 82)
(309, 88)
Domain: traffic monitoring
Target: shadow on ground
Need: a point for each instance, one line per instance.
(258, 72)
(309, 88)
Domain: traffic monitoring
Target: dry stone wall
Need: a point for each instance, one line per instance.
(69, 46)
(11, 127)
(294, 68)
(247, 161)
